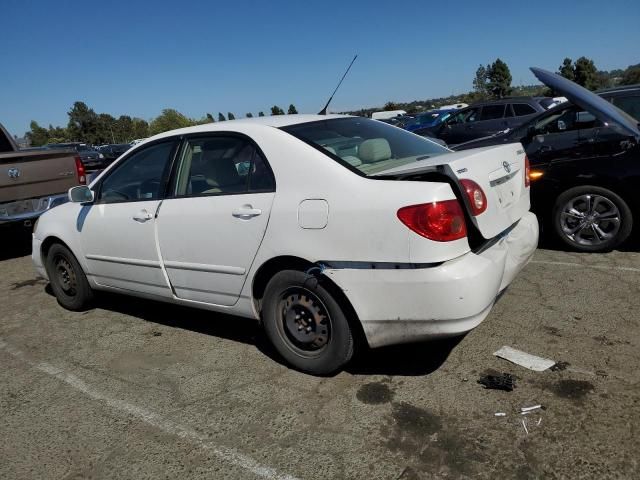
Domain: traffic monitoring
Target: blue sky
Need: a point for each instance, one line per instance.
(137, 57)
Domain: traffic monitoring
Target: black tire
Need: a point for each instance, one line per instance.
(306, 324)
(602, 220)
(68, 281)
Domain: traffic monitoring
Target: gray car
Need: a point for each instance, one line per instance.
(483, 119)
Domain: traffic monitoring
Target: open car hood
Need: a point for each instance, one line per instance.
(589, 101)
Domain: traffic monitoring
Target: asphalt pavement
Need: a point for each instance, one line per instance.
(138, 389)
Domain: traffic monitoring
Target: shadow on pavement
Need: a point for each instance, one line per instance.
(403, 360)
(16, 242)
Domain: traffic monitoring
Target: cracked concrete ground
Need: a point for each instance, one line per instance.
(136, 389)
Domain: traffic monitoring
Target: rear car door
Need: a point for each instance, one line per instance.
(491, 121)
(117, 231)
(211, 227)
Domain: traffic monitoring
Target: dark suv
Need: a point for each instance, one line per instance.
(626, 98)
(483, 119)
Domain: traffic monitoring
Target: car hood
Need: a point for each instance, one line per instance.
(589, 101)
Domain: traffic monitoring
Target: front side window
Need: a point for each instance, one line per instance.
(521, 109)
(630, 105)
(465, 116)
(367, 145)
(139, 177)
(218, 165)
(565, 120)
(492, 112)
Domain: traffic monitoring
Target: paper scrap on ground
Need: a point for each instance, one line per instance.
(524, 359)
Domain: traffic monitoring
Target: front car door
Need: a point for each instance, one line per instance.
(555, 137)
(117, 232)
(212, 224)
(456, 128)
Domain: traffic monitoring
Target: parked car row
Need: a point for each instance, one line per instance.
(585, 168)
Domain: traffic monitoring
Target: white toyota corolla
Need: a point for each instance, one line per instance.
(328, 229)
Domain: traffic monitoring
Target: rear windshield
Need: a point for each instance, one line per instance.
(366, 145)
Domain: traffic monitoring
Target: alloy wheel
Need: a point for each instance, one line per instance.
(590, 220)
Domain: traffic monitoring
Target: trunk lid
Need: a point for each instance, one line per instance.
(598, 106)
(498, 170)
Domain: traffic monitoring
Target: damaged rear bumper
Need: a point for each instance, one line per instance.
(407, 305)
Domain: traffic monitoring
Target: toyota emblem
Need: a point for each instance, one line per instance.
(507, 167)
(13, 172)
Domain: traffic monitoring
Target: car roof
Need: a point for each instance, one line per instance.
(621, 88)
(499, 101)
(276, 121)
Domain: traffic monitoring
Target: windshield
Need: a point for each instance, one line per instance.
(366, 145)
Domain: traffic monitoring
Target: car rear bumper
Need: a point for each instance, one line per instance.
(29, 209)
(412, 304)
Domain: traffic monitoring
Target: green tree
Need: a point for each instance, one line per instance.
(391, 106)
(37, 135)
(586, 73)
(480, 81)
(221, 117)
(292, 109)
(276, 110)
(499, 79)
(261, 114)
(231, 116)
(210, 118)
(249, 115)
(631, 75)
(567, 70)
(139, 129)
(83, 123)
(169, 119)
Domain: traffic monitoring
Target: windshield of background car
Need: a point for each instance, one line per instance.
(366, 145)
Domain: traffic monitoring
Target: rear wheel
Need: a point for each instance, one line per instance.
(305, 323)
(592, 219)
(68, 281)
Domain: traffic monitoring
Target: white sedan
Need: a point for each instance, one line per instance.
(328, 229)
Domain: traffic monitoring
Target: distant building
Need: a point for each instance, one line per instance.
(23, 142)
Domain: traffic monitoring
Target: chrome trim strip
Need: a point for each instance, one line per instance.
(124, 261)
(501, 180)
(203, 267)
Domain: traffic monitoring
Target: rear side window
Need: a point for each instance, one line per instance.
(520, 109)
(219, 165)
(630, 105)
(491, 112)
(139, 177)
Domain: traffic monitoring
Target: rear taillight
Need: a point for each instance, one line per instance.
(80, 171)
(439, 221)
(527, 172)
(475, 195)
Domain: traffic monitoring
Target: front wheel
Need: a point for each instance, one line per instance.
(305, 323)
(68, 281)
(592, 219)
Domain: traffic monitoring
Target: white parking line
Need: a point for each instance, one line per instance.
(224, 453)
(597, 267)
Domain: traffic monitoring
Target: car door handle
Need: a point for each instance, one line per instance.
(246, 212)
(545, 148)
(142, 216)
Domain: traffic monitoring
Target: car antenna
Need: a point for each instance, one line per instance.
(324, 110)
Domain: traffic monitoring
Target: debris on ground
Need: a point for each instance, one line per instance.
(500, 414)
(525, 410)
(560, 366)
(524, 359)
(504, 381)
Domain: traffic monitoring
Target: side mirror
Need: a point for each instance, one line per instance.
(80, 194)
(531, 132)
